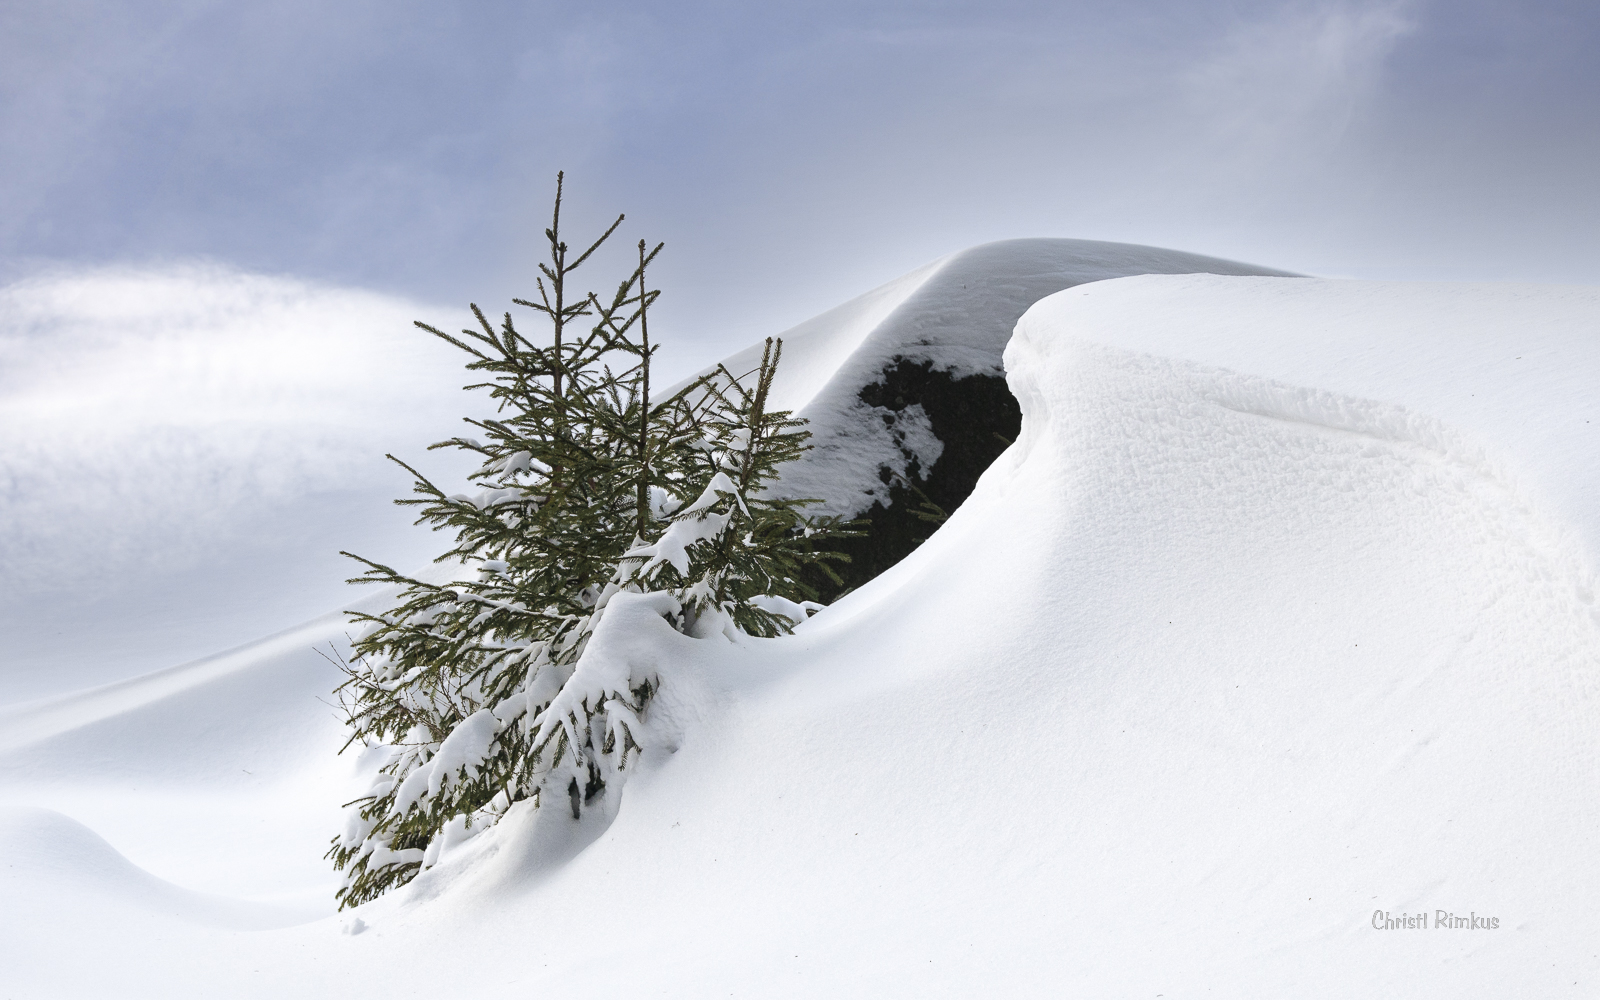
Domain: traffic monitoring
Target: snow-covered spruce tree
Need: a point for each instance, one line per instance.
(516, 684)
(729, 555)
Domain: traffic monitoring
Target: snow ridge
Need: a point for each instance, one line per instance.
(956, 313)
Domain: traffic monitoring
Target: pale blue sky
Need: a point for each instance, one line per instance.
(794, 154)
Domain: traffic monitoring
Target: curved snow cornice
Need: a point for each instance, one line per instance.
(955, 313)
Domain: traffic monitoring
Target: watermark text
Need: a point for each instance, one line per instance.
(1383, 920)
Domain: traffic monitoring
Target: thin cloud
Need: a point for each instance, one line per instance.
(1301, 73)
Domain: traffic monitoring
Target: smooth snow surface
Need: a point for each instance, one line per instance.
(183, 452)
(1257, 630)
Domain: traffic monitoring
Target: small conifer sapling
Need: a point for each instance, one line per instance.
(598, 510)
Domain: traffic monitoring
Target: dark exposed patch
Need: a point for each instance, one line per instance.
(976, 417)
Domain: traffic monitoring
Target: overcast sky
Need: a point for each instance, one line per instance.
(792, 155)
(217, 218)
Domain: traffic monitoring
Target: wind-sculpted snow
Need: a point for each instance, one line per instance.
(1255, 637)
(955, 314)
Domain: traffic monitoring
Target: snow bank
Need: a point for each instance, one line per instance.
(1249, 641)
(221, 775)
(48, 854)
(1507, 370)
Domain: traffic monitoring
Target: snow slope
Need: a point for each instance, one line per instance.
(1257, 630)
(184, 449)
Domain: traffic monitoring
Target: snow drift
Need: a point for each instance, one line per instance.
(903, 386)
(1276, 621)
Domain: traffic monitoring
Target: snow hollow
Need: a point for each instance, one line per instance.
(1274, 631)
